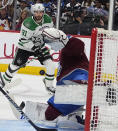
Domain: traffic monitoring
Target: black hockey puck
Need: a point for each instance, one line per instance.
(42, 72)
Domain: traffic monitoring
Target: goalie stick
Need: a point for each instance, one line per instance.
(22, 113)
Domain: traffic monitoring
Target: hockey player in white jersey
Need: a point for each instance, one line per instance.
(31, 43)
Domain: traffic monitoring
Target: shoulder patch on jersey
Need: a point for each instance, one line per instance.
(30, 23)
(47, 19)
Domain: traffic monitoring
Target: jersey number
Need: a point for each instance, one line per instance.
(24, 32)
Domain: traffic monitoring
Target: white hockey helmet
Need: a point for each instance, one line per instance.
(37, 7)
(57, 39)
(55, 35)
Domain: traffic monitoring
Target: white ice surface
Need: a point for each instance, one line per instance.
(31, 88)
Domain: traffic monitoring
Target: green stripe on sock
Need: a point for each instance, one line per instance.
(6, 78)
(49, 78)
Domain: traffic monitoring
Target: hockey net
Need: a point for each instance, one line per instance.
(102, 93)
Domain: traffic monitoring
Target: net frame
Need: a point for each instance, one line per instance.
(90, 80)
(97, 78)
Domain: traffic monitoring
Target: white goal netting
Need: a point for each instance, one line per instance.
(102, 113)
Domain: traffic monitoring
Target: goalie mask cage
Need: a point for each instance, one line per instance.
(102, 93)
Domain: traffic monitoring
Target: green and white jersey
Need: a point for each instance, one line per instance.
(30, 33)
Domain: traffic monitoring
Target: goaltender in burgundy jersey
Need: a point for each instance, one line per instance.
(73, 62)
(73, 68)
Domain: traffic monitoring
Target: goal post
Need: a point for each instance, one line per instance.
(90, 80)
(102, 92)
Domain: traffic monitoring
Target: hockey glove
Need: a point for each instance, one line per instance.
(37, 50)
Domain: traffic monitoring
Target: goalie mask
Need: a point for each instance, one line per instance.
(57, 39)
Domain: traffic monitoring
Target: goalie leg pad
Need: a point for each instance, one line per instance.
(35, 110)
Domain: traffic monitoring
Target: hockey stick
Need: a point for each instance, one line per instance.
(22, 113)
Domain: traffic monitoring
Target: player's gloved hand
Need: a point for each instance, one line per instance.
(51, 89)
(37, 51)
